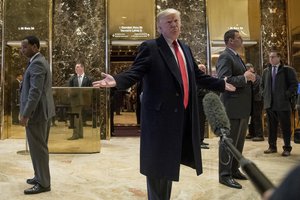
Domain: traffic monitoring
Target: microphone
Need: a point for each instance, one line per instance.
(215, 114)
(219, 122)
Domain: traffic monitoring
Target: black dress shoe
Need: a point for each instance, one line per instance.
(74, 137)
(249, 136)
(37, 188)
(239, 175)
(286, 153)
(230, 182)
(31, 181)
(258, 139)
(270, 150)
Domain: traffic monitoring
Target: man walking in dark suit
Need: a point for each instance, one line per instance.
(79, 79)
(15, 97)
(170, 133)
(255, 128)
(279, 83)
(36, 110)
(237, 105)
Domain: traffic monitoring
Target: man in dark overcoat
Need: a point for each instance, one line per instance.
(170, 133)
(278, 84)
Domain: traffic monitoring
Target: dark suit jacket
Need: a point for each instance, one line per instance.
(237, 103)
(283, 88)
(36, 99)
(162, 108)
(80, 97)
(86, 81)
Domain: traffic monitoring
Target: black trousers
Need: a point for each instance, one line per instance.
(284, 119)
(256, 126)
(227, 163)
(158, 189)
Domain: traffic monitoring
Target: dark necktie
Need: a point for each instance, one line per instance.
(183, 74)
(241, 61)
(274, 69)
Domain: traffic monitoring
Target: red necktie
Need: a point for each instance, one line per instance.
(183, 74)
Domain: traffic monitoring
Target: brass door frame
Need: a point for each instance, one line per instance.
(4, 125)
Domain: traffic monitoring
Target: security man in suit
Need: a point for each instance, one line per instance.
(237, 105)
(79, 79)
(36, 111)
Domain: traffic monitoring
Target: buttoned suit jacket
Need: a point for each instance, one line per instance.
(86, 81)
(162, 112)
(36, 98)
(237, 103)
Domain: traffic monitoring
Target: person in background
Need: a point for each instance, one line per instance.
(255, 127)
(170, 133)
(139, 90)
(15, 98)
(79, 79)
(237, 105)
(278, 84)
(36, 111)
(202, 118)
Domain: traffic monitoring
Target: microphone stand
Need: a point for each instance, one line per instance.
(258, 179)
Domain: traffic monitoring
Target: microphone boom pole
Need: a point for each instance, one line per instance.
(220, 124)
(259, 180)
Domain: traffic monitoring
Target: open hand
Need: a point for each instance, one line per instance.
(107, 82)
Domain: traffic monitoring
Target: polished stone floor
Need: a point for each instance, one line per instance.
(114, 173)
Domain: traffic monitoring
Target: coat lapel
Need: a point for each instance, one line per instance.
(169, 58)
(238, 61)
(188, 58)
(75, 81)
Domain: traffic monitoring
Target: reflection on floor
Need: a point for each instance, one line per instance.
(114, 173)
(125, 118)
(58, 138)
(126, 125)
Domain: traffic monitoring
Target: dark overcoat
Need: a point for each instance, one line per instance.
(286, 83)
(162, 112)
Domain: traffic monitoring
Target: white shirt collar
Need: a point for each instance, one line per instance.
(35, 55)
(82, 75)
(235, 53)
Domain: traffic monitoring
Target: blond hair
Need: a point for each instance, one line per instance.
(162, 14)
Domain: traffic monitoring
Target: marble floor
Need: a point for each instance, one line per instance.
(114, 173)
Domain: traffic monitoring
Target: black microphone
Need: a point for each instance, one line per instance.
(215, 114)
(219, 122)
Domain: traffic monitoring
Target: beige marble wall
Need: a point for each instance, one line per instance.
(78, 34)
(79, 29)
(274, 27)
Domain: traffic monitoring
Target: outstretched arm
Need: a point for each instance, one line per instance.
(229, 87)
(107, 82)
